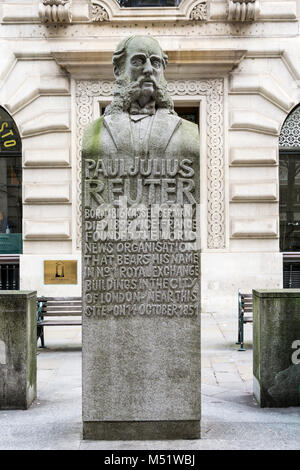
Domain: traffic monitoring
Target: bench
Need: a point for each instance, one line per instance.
(57, 307)
(245, 313)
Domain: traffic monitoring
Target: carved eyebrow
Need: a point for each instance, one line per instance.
(138, 55)
(144, 56)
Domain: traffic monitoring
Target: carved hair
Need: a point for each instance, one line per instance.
(119, 55)
(126, 92)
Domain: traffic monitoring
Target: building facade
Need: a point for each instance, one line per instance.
(234, 66)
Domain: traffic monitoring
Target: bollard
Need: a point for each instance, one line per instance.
(17, 349)
(276, 347)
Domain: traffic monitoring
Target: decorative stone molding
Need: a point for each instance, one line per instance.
(54, 229)
(254, 228)
(38, 193)
(199, 12)
(49, 157)
(45, 123)
(96, 64)
(253, 121)
(277, 10)
(55, 11)
(98, 13)
(213, 90)
(243, 10)
(263, 84)
(254, 191)
(253, 156)
(87, 90)
(34, 86)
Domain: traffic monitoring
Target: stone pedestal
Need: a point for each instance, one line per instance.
(17, 349)
(141, 261)
(276, 347)
(141, 378)
(141, 343)
(141, 292)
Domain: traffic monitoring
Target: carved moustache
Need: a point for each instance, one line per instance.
(126, 92)
(141, 80)
(130, 91)
(134, 88)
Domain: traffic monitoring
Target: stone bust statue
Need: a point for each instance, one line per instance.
(140, 123)
(141, 109)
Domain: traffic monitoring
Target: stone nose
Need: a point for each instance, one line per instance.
(147, 67)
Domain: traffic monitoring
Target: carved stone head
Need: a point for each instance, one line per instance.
(139, 64)
(134, 45)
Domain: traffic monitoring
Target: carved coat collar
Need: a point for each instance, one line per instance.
(163, 128)
(149, 108)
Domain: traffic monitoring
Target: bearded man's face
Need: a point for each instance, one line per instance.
(140, 78)
(143, 68)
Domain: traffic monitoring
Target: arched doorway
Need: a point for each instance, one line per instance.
(10, 201)
(289, 179)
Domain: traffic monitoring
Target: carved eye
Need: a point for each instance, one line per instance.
(155, 63)
(137, 61)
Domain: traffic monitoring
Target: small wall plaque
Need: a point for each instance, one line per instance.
(60, 272)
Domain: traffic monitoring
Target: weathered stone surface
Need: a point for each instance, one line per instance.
(141, 430)
(17, 349)
(141, 295)
(276, 347)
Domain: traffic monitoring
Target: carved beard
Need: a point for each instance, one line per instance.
(127, 92)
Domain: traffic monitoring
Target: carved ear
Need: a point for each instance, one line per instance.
(116, 71)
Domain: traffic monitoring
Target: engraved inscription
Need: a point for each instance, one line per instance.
(140, 182)
(140, 238)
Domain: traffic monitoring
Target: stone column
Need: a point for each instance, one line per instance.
(17, 349)
(276, 347)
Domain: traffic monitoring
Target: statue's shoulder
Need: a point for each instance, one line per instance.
(190, 126)
(190, 134)
(93, 127)
(91, 136)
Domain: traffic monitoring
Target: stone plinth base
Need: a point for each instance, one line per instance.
(141, 378)
(140, 430)
(276, 347)
(17, 349)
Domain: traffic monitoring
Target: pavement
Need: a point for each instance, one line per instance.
(231, 419)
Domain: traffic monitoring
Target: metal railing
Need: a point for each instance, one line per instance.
(291, 270)
(9, 273)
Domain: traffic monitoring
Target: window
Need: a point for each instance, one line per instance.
(148, 3)
(289, 197)
(190, 113)
(10, 186)
(289, 179)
